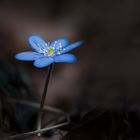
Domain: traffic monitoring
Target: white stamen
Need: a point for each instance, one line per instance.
(58, 53)
(46, 44)
(55, 43)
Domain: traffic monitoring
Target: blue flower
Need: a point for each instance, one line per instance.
(46, 53)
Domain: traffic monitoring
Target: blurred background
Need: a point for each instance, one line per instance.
(107, 74)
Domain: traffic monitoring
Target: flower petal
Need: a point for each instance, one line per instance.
(28, 56)
(43, 62)
(37, 42)
(59, 42)
(71, 47)
(65, 58)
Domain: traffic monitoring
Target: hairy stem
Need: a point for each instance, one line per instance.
(39, 119)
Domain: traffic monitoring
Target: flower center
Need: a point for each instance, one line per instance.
(50, 51)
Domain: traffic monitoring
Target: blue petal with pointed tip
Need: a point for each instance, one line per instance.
(71, 47)
(43, 62)
(28, 56)
(64, 42)
(65, 58)
(36, 42)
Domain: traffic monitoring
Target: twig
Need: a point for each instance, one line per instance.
(46, 107)
(36, 105)
(24, 135)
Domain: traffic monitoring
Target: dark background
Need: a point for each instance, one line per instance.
(107, 75)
